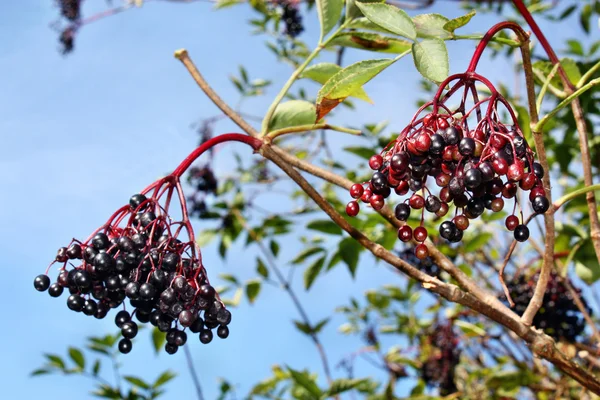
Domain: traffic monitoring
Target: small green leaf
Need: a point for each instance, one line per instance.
(349, 250)
(77, 357)
(321, 72)
(304, 254)
(96, 368)
(302, 327)
(586, 263)
(134, 380)
(431, 26)
(320, 325)
(293, 113)
(56, 361)
(325, 226)
(346, 82)
(205, 237)
(252, 290)
(471, 330)
(274, 246)
(477, 242)
(312, 272)
(330, 12)
(389, 17)
(261, 268)
(306, 381)
(371, 42)
(163, 378)
(459, 22)
(158, 340)
(431, 59)
(40, 371)
(339, 386)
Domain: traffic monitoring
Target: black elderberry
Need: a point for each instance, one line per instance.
(75, 302)
(456, 186)
(136, 200)
(466, 146)
(142, 316)
(139, 240)
(61, 255)
(447, 229)
(538, 170)
(197, 325)
(89, 254)
(171, 348)
(452, 135)
(223, 332)
(475, 207)
(379, 181)
(521, 233)
(147, 291)
(132, 290)
(223, 316)
(206, 336)
(207, 291)
(433, 204)
(540, 204)
(186, 318)
(113, 282)
(102, 311)
(168, 296)
(147, 218)
(155, 317)
(472, 178)
(100, 241)
(456, 236)
(125, 345)
(520, 146)
(437, 144)
(129, 330)
(55, 290)
(41, 283)
(90, 307)
(104, 263)
(399, 162)
(180, 338)
(74, 252)
(180, 284)
(170, 261)
(121, 318)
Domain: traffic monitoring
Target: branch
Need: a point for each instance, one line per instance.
(570, 196)
(312, 127)
(190, 364)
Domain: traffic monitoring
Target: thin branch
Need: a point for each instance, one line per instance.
(312, 127)
(570, 196)
(182, 55)
(287, 287)
(192, 369)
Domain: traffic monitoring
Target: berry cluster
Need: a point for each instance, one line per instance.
(426, 265)
(441, 356)
(559, 317)
(291, 17)
(476, 164)
(139, 255)
(70, 9)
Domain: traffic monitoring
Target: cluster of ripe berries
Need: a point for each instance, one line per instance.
(70, 9)
(475, 169)
(559, 317)
(426, 265)
(291, 17)
(441, 356)
(137, 256)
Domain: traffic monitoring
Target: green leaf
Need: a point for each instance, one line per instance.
(252, 289)
(320, 325)
(471, 330)
(431, 59)
(293, 113)
(349, 250)
(40, 371)
(134, 380)
(96, 368)
(431, 26)
(158, 339)
(303, 379)
(339, 386)
(459, 22)
(371, 42)
(261, 268)
(325, 226)
(77, 357)
(312, 272)
(163, 378)
(346, 82)
(389, 17)
(274, 246)
(205, 237)
(586, 263)
(304, 254)
(363, 23)
(477, 242)
(56, 361)
(330, 12)
(302, 327)
(321, 72)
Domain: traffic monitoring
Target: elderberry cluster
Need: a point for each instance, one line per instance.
(137, 256)
(70, 9)
(442, 355)
(475, 168)
(291, 17)
(559, 317)
(426, 265)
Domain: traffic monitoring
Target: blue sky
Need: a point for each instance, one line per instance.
(80, 134)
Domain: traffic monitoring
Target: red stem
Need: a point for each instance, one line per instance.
(491, 33)
(227, 137)
(543, 41)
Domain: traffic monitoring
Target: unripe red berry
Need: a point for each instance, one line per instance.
(356, 191)
(420, 234)
(497, 204)
(528, 181)
(352, 209)
(443, 210)
(423, 142)
(417, 201)
(442, 123)
(377, 202)
(405, 233)
(402, 188)
(375, 162)
(511, 222)
(500, 166)
(421, 252)
(366, 196)
(461, 222)
(515, 172)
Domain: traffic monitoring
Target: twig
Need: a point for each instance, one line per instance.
(182, 55)
(192, 369)
(313, 127)
(570, 196)
(287, 287)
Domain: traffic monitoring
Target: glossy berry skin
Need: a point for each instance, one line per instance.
(452, 135)
(405, 233)
(147, 291)
(521, 233)
(129, 330)
(421, 252)
(399, 162)
(121, 318)
(375, 162)
(356, 191)
(136, 200)
(75, 303)
(125, 346)
(447, 229)
(352, 209)
(466, 146)
(55, 290)
(206, 336)
(416, 201)
(41, 283)
(171, 348)
(100, 241)
(461, 222)
(433, 204)
(473, 178)
(540, 204)
(377, 202)
(420, 234)
(423, 142)
(402, 212)
(512, 221)
(538, 170)
(223, 332)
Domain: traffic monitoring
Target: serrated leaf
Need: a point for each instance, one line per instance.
(304, 380)
(431, 26)
(158, 340)
(252, 290)
(371, 42)
(312, 272)
(163, 378)
(431, 59)
(346, 82)
(330, 12)
(261, 268)
(293, 113)
(134, 380)
(325, 226)
(477, 242)
(459, 22)
(321, 72)
(77, 357)
(389, 17)
(349, 250)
